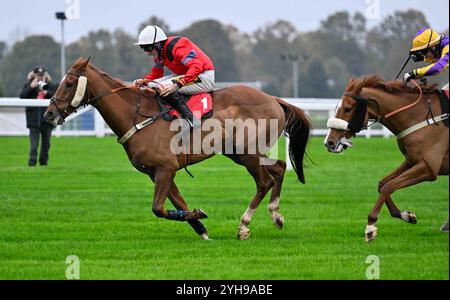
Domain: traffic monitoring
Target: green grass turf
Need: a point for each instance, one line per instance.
(89, 202)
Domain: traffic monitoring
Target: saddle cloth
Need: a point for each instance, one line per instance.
(200, 105)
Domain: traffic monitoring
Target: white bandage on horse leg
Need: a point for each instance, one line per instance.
(81, 90)
(339, 124)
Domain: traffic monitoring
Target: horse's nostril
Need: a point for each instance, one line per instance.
(48, 115)
(330, 144)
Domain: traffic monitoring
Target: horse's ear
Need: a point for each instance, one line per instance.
(86, 63)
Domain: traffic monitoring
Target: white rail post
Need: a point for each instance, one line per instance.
(99, 124)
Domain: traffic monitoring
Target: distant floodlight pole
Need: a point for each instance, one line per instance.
(293, 58)
(62, 16)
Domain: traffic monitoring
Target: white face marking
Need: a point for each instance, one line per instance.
(339, 105)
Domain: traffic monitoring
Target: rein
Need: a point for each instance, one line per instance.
(407, 106)
(360, 101)
(356, 124)
(69, 108)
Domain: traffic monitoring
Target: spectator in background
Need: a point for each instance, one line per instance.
(39, 86)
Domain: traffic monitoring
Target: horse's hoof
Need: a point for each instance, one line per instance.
(278, 220)
(444, 227)
(409, 217)
(243, 233)
(200, 213)
(205, 237)
(370, 233)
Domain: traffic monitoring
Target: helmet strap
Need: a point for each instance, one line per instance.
(160, 47)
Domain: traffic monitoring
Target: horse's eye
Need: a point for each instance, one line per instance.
(347, 109)
(69, 84)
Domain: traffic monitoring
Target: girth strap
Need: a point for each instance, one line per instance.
(422, 125)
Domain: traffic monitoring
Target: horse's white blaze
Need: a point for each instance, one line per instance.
(81, 90)
(339, 104)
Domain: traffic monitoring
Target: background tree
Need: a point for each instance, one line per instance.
(389, 43)
(3, 48)
(341, 48)
(39, 50)
(154, 20)
(271, 43)
(212, 37)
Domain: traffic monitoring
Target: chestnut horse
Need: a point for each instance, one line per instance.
(413, 115)
(134, 116)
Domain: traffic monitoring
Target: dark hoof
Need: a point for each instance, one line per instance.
(409, 217)
(444, 227)
(200, 213)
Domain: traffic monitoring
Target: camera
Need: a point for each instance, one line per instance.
(43, 86)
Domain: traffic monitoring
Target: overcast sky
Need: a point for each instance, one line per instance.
(38, 17)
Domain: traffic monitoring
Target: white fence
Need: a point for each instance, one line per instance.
(13, 122)
(12, 118)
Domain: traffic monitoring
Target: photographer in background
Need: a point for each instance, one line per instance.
(39, 86)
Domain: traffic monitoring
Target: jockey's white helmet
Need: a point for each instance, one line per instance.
(151, 35)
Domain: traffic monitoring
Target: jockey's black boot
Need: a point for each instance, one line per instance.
(175, 99)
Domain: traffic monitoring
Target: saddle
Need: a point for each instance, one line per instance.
(200, 105)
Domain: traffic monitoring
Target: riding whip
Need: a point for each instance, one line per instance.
(404, 66)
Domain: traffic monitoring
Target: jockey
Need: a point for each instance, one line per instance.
(193, 70)
(430, 47)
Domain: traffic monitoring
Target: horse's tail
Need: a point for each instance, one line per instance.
(297, 128)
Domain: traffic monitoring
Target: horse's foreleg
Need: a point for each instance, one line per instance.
(179, 203)
(402, 168)
(416, 174)
(163, 184)
(277, 171)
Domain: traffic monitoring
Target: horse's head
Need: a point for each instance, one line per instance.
(350, 118)
(71, 94)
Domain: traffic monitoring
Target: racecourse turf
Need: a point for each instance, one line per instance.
(89, 202)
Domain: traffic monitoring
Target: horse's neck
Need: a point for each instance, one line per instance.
(388, 103)
(118, 109)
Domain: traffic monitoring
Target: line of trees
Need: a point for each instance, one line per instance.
(341, 48)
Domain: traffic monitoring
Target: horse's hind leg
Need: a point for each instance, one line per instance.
(277, 171)
(264, 182)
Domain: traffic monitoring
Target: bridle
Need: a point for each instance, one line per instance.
(85, 100)
(357, 122)
(68, 108)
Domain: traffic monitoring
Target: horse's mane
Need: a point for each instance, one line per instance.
(115, 82)
(393, 87)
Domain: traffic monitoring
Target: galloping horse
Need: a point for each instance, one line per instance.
(147, 140)
(414, 115)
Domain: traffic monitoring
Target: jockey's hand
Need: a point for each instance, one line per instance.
(140, 82)
(409, 76)
(169, 89)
